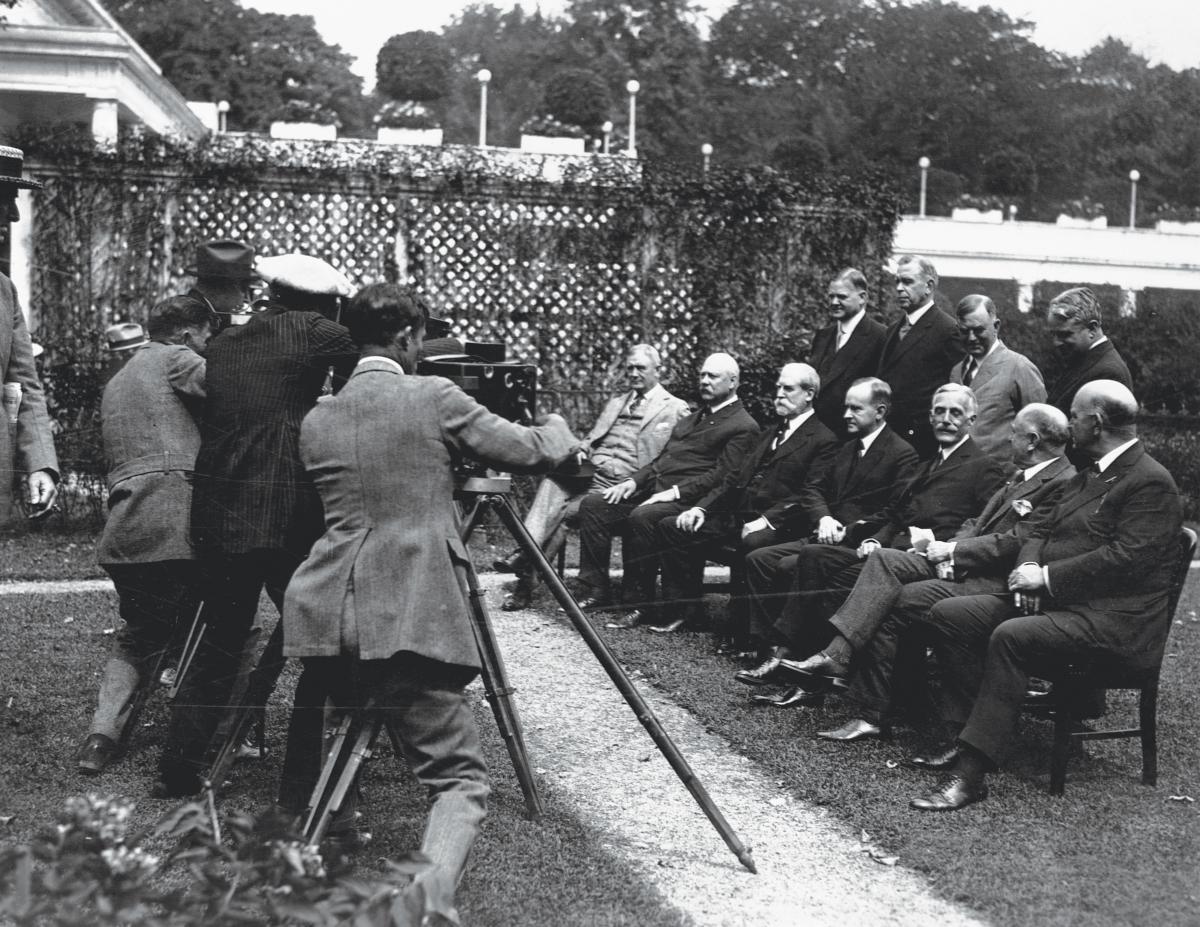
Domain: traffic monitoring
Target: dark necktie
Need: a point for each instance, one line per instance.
(635, 407)
(780, 434)
(968, 371)
(905, 328)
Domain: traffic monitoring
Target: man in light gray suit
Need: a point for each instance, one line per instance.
(377, 611)
(148, 419)
(628, 435)
(1004, 382)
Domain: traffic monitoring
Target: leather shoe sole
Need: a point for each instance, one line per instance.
(670, 627)
(817, 667)
(858, 729)
(950, 796)
(795, 697)
(936, 761)
(593, 602)
(95, 754)
(765, 674)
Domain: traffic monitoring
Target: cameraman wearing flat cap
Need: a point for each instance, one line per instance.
(255, 513)
(376, 611)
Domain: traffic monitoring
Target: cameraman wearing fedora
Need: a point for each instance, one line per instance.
(224, 272)
(29, 448)
(255, 512)
(377, 610)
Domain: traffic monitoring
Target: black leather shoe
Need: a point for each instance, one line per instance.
(626, 621)
(95, 754)
(513, 563)
(938, 762)
(517, 600)
(594, 600)
(670, 627)
(858, 729)
(765, 674)
(954, 793)
(795, 697)
(818, 666)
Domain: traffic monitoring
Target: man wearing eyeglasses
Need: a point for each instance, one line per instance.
(1004, 382)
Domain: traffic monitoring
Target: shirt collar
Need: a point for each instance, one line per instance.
(732, 399)
(386, 361)
(868, 440)
(946, 452)
(915, 316)
(1099, 341)
(1106, 461)
(795, 423)
(847, 326)
(1030, 472)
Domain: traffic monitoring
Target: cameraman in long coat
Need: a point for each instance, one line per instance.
(376, 611)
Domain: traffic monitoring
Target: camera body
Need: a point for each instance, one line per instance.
(507, 388)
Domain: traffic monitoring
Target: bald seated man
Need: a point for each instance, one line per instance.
(1091, 583)
(711, 440)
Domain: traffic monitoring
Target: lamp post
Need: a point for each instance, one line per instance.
(923, 164)
(1012, 212)
(607, 130)
(483, 77)
(223, 116)
(1134, 177)
(632, 88)
(706, 151)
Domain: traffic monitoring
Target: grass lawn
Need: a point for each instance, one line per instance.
(51, 652)
(1110, 851)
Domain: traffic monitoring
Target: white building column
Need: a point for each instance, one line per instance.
(104, 122)
(21, 254)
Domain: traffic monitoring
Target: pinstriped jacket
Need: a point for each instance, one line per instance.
(251, 491)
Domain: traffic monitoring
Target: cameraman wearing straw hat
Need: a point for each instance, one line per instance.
(30, 448)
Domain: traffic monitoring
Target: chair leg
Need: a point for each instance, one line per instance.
(1060, 749)
(1148, 717)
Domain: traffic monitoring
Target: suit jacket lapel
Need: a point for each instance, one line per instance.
(915, 334)
(653, 406)
(1099, 484)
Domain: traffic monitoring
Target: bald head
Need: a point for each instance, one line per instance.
(795, 390)
(1039, 433)
(718, 378)
(1103, 417)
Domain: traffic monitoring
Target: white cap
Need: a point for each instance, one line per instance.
(305, 273)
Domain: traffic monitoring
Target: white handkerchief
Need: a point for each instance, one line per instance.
(920, 538)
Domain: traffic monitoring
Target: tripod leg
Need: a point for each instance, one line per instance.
(318, 793)
(347, 779)
(190, 646)
(496, 686)
(253, 702)
(621, 680)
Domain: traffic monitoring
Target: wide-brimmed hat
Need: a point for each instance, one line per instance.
(224, 259)
(304, 273)
(11, 160)
(125, 336)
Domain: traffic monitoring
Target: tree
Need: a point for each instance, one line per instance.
(260, 62)
(414, 66)
(578, 97)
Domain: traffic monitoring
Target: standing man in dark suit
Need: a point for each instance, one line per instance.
(1092, 582)
(746, 507)
(711, 440)
(148, 420)
(1003, 381)
(897, 587)
(224, 272)
(919, 352)
(29, 449)
(1075, 322)
(956, 485)
(377, 609)
(630, 432)
(846, 350)
(255, 512)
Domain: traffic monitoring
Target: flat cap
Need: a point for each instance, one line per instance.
(305, 273)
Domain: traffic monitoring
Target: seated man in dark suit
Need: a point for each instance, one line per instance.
(1092, 583)
(920, 350)
(897, 587)
(955, 486)
(746, 507)
(846, 350)
(1075, 323)
(630, 432)
(866, 474)
(713, 438)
